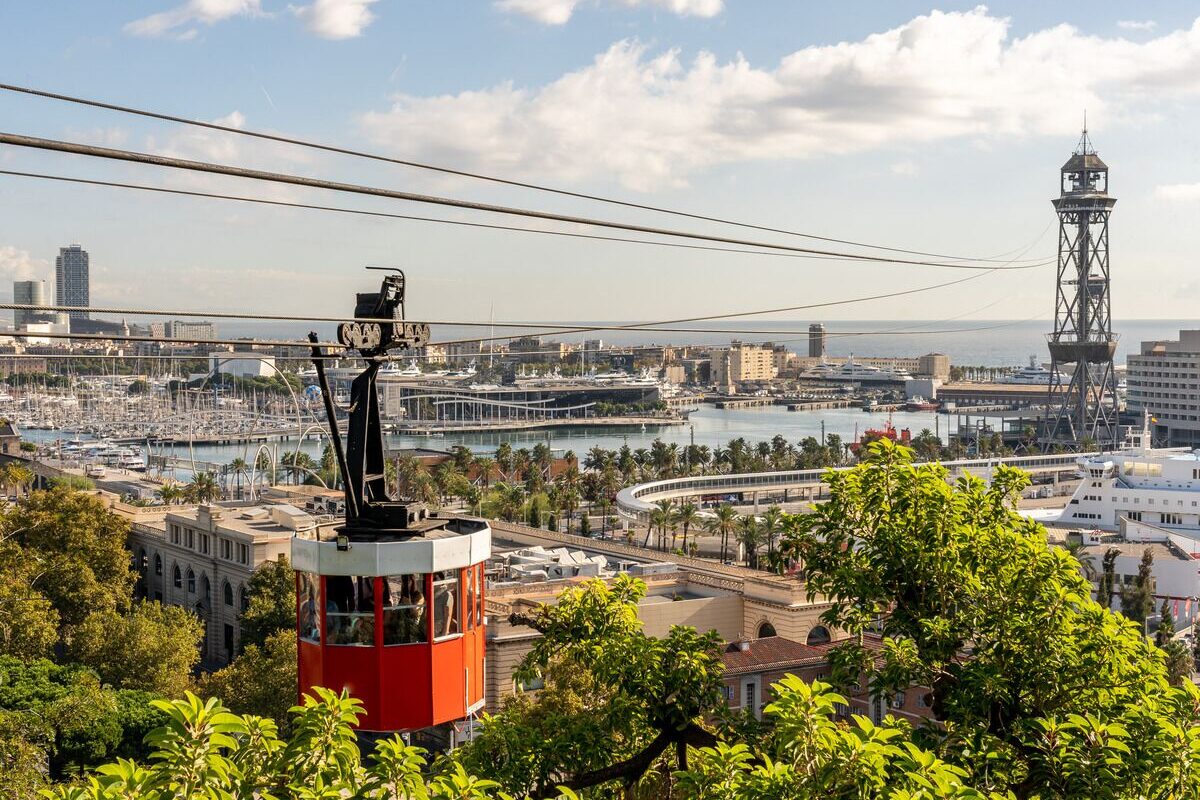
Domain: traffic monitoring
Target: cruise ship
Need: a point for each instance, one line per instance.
(1033, 375)
(1158, 487)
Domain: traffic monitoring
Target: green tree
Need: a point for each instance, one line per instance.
(633, 697)
(28, 620)
(77, 548)
(688, 516)
(204, 751)
(153, 647)
(1106, 586)
(260, 681)
(271, 603)
(1137, 601)
(971, 601)
(1166, 625)
(202, 488)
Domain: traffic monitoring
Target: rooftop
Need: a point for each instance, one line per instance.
(769, 653)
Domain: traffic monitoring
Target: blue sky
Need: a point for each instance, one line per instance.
(932, 127)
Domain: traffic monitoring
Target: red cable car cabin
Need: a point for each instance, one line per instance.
(398, 621)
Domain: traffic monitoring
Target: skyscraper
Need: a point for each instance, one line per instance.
(30, 293)
(816, 340)
(71, 282)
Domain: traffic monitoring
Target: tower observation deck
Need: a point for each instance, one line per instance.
(1082, 399)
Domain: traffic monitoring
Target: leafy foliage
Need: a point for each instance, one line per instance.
(153, 648)
(271, 606)
(260, 681)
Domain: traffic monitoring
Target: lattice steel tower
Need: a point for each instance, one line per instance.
(1082, 400)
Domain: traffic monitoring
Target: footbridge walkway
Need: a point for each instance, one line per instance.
(636, 502)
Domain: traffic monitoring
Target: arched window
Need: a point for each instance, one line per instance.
(177, 577)
(243, 599)
(201, 611)
(227, 591)
(818, 635)
(205, 587)
(157, 564)
(766, 629)
(191, 581)
(142, 562)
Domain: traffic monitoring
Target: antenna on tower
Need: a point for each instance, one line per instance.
(1084, 148)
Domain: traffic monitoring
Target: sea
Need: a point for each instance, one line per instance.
(989, 343)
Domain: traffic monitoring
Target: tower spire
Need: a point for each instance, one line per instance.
(1085, 148)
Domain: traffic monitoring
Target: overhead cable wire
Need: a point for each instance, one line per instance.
(127, 337)
(437, 220)
(647, 327)
(114, 154)
(278, 138)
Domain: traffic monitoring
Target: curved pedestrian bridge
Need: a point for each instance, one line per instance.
(636, 502)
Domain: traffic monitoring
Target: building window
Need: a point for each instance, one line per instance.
(174, 534)
(227, 592)
(727, 694)
(350, 610)
(307, 606)
(189, 537)
(191, 578)
(243, 600)
(898, 700)
(177, 577)
(243, 553)
(142, 560)
(157, 564)
(228, 642)
(204, 543)
(226, 549)
(205, 587)
(445, 604)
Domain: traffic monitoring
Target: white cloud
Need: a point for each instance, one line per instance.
(906, 167)
(19, 265)
(1137, 25)
(558, 12)
(1179, 191)
(652, 119)
(336, 19)
(187, 15)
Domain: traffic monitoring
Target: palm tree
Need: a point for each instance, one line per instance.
(483, 470)
(239, 467)
(170, 493)
(772, 524)
(659, 519)
(203, 488)
(504, 459)
(724, 523)
(19, 476)
(687, 516)
(750, 537)
(511, 497)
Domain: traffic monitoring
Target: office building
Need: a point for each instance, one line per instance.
(72, 284)
(816, 340)
(1164, 381)
(30, 293)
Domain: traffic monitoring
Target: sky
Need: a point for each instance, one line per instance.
(934, 128)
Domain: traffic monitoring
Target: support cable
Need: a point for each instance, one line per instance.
(114, 154)
(278, 138)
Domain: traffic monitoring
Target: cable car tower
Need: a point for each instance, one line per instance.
(1082, 400)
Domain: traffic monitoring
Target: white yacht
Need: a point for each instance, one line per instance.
(1033, 375)
(392, 370)
(855, 371)
(1139, 484)
(130, 460)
